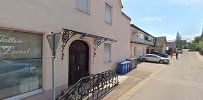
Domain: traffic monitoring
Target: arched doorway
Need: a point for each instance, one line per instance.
(78, 61)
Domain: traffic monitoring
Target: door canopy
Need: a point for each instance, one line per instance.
(98, 40)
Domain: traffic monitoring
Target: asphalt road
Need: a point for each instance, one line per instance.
(181, 80)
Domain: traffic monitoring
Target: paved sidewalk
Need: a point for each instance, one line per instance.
(181, 80)
(133, 80)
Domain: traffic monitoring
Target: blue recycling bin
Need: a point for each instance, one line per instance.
(129, 66)
(122, 67)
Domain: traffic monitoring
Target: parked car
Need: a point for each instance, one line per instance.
(179, 50)
(155, 58)
(160, 54)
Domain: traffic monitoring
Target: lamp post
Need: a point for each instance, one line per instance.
(53, 40)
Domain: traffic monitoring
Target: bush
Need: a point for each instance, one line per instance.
(194, 48)
(201, 51)
(187, 46)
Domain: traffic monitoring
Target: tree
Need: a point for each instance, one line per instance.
(197, 39)
(201, 37)
(178, 37)
(178, 40)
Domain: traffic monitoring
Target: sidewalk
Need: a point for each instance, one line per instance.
(132, 81)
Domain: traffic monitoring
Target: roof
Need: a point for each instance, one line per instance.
(132, 25)
(161, 41)
(126, 16)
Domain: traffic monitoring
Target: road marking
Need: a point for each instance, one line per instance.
(131, 92)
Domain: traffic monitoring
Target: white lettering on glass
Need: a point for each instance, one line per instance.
(9, 39)
(11, 50)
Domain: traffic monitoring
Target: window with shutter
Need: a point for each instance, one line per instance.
(107, 53)
(83, 5)
(108, 13)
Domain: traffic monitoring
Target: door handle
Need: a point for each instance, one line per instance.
(78, 67)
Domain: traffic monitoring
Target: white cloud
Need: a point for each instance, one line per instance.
(151, 19)
(190, 37)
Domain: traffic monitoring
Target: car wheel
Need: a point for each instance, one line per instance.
(144, 60)
(161, 61)
(167, 62)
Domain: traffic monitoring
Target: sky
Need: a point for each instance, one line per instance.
(166, 17)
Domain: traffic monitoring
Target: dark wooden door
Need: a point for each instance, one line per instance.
(78, 61)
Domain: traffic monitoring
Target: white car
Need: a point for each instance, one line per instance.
(179, 50)
(155, 58)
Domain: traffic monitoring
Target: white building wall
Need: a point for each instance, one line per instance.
(46, 16)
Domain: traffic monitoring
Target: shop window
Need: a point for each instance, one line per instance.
(107, 53)
(20, 63)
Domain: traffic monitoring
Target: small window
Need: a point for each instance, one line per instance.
(83, 5)
(108, 13)
(134, 51)
(107, 53)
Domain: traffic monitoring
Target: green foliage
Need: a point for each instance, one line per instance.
(201, 51)
(197, 39)
(180, 43)
(201, 44)
(194, 47)
(186, 46)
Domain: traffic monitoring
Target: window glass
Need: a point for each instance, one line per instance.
(107, 52)
(20, 62)
(108, 13)
(134, 51)
(82, 5)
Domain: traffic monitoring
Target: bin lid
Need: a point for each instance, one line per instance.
(133, 58)
(124, 62)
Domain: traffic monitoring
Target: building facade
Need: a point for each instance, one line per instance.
(98, 37)
(171, 45)
(141, 42)
(161, 44)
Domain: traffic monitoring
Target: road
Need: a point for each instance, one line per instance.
(181, 80)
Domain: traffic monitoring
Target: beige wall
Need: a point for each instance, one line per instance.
(140, 50)
(46, 16)
(160, 49)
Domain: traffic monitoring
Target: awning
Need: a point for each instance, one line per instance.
(98, 40)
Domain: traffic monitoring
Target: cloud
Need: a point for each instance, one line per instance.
(150, 19)
(184, 2)
(190, 37)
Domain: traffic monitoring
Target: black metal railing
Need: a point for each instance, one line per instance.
(93, 87)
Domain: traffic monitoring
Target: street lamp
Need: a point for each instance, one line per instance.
(53, 40)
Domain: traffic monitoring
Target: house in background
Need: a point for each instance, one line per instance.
(171, 45)
(96, 36)
(141, 42)
(160, 45)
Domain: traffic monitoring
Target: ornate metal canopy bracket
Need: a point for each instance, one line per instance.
(82, 36)
(66, 36)
(97, 42)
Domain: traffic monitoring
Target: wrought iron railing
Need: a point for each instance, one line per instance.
(93, 87)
